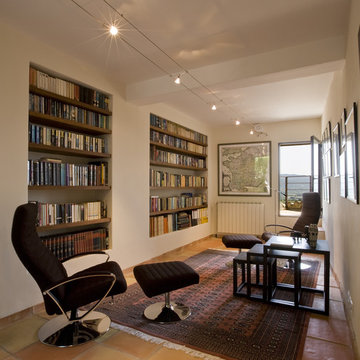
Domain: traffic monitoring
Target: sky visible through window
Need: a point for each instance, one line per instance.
(295, 159)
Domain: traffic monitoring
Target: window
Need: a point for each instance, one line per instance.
(295, 161)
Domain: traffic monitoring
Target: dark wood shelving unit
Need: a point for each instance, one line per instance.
(54, 196)
(75, 188)
(49, 120)
(172, 211)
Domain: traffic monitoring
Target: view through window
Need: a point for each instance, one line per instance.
(294, 177)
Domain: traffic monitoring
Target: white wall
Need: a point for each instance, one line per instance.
(278, 132)
(341, 217)
(130, 165)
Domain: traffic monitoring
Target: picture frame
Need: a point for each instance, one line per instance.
(244, 169)
(336, 149)
(326, 190)
(352, 172)
(342, 129)
(342, 171)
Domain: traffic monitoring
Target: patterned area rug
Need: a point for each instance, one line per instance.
(221, 324)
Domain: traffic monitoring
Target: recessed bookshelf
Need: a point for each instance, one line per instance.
(178, 177)
(69, 158)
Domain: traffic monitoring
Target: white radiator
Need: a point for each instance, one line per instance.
(240, 217)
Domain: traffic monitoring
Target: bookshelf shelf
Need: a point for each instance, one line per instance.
(171, 146)
(178, 187)
(177, 150)
(75, 188)
(48, 94)
(65, 151)
(54, 121)
(74, 225)
(176, 135)
(175, 166)
(172, 211)
(69, 119)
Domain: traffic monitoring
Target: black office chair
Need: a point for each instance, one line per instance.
(310, 214)
(64, 295)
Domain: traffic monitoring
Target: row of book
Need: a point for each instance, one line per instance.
(66, 245)
(54, 214)
(176, 142)
(177, 129)
(52, 172)
(165, 179)
(176, 159)
(48, 106)
(164, 224)
(39, 134)
(176, 202)
(68, 89)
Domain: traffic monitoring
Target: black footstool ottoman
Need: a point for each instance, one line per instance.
(240, 241)
(162, 278)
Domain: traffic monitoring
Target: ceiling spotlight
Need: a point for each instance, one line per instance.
(113, 30)
(237, 122)
(177, 80)
(251, 132)
(213, 107)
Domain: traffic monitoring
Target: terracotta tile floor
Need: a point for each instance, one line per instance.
(327, 337)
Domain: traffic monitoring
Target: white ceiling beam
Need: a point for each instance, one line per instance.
(308, 59)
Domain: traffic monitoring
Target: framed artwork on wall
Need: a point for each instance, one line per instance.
(244, 169)
(336, 149)
(342, 171)
(352, 171)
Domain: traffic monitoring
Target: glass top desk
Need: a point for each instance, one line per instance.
(301, 245)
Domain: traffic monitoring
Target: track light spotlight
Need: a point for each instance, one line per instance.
(113, 30)
(177, 80)
(251, 132)
(213, 107)
(237, 122)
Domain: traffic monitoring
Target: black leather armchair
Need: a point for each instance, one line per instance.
(64, 295)
(310, 214)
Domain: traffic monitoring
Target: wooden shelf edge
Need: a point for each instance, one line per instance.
(177, 136)
(73, 225)
(157, 163)
(171, 232)
(65, 151)
(178, 150)
(35, 90)
(177, 210)
(178, 187)
(56, 187)
(45, 119)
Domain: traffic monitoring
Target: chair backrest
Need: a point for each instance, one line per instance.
(41, 263)
(310, 212)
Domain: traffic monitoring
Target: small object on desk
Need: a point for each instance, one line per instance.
(282, 241)
(313, 235)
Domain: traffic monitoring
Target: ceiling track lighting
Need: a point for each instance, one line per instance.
(237, 122)
(113, 30)
(258, 129)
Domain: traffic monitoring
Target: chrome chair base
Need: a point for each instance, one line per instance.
(163, 313)
(64, 333)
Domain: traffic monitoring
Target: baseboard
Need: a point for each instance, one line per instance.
(20, 315)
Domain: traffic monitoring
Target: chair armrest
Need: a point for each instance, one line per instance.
(81, 277)
(94, 274)
(86, 253)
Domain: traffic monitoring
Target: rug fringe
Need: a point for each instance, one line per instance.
(165, 343)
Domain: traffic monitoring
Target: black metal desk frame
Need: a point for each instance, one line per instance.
(322, 248)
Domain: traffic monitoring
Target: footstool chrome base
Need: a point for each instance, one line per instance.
(167, 311)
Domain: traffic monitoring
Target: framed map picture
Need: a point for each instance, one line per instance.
(245, 169)
(352, 172)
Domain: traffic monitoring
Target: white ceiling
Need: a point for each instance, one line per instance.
(259, 61)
